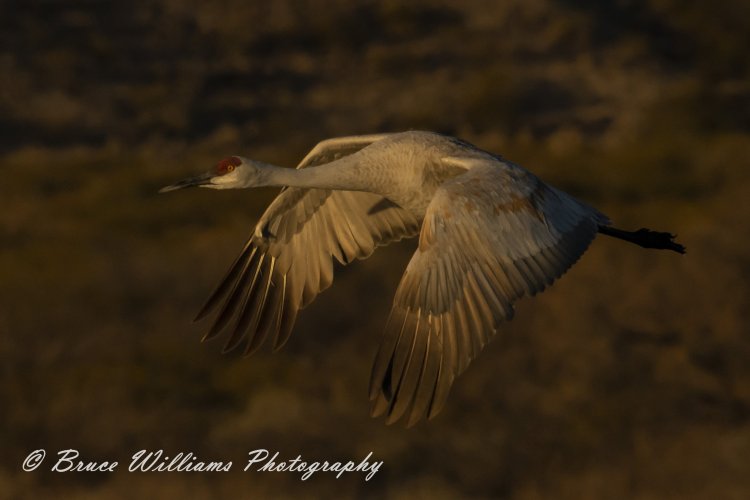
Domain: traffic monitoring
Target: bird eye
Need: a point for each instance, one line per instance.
(227, 165)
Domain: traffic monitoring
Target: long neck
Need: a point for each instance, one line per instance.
(348, 173)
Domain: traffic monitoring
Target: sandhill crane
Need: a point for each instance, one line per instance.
(489, 232)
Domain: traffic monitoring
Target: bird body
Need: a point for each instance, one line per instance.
(489, 233)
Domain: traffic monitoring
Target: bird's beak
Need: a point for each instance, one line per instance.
(197, 181)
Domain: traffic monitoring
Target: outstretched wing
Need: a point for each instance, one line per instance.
(490, 236)
(288, 260)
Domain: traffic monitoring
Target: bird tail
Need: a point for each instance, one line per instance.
(645, 238)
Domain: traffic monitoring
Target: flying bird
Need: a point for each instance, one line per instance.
(489, 233)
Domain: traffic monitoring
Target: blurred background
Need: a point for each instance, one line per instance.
(629, 378)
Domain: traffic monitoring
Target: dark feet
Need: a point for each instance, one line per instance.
(645, 238)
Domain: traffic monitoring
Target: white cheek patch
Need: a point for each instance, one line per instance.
(225, 181)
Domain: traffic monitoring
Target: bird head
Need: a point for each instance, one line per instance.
(230, 173)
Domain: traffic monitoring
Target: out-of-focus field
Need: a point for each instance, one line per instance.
(629, 378)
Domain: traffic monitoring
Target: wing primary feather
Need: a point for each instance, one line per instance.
(483, 311)
(234, 297)
(425, 390)
(403, 350)
(384, 358)
(379, 405)
(239, 331)
(527, 277)
(491, 294)
(473, 315)
(268, 321)
(290, 311)
(312, 272)
(259, 334)
(229, 278)
(443, 383)
(443, 291)
(463, 332)
(407, 376)
(450, 347)
(278, 341)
